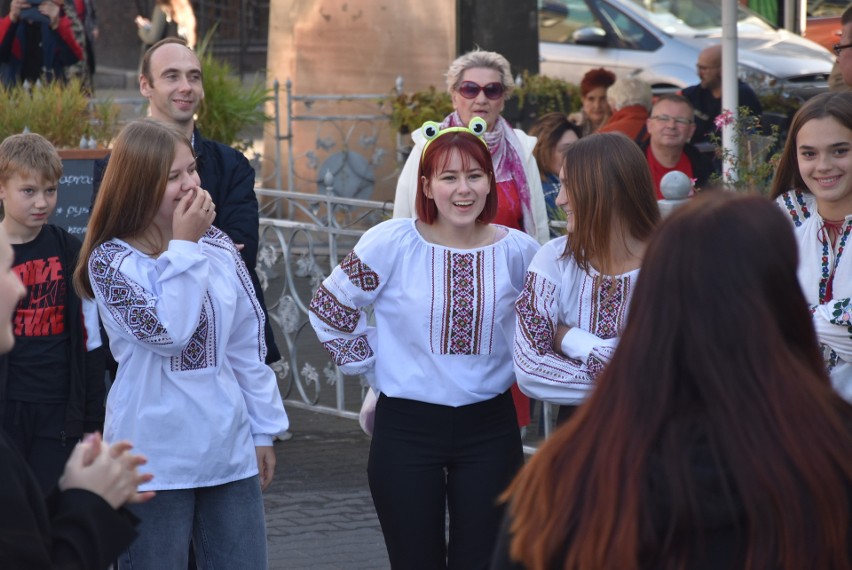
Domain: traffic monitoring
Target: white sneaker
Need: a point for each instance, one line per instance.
(283, 436)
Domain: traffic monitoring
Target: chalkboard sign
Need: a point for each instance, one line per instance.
(75, 190)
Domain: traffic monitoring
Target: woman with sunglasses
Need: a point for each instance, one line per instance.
(479, 83)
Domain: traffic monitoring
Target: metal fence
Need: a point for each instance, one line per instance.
(330, 151)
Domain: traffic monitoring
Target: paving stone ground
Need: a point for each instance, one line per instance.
(319, 513)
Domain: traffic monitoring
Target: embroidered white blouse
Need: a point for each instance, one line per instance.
(444, 318)
(192, 391)
(819, 265)
(558, 292)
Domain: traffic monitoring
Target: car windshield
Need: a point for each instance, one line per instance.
(695, 17)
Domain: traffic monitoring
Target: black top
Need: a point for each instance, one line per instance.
(83, 374)
(38, 363)
(72, 529)
(708, 107)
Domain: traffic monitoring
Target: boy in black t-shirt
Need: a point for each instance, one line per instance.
(52, 383)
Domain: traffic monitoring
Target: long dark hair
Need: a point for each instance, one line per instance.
(719, 350)
(835, 105)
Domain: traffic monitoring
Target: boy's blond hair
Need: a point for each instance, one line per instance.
(29, 154)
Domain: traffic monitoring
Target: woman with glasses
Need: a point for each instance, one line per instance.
(479, 83)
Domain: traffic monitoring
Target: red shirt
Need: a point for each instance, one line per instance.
(509, 210)
(658, 170)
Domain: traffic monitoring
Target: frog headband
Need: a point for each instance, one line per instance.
(432, 130)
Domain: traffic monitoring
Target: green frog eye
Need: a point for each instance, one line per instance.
(431, 129)
(478, 126)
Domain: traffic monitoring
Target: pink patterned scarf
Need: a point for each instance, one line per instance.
(505, 154)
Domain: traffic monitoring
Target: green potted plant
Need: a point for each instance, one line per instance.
(62, 113)
(751, 168)
(540, 94)
(410, 110)
(229, 108)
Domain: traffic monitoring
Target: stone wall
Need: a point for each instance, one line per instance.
(357, 46)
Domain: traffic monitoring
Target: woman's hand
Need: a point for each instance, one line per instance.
(109, 471)
(265, 464)
(16, 8)
(561, 331)
(51, 10)
(193, 215)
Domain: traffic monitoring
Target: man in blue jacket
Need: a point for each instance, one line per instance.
(171, 81)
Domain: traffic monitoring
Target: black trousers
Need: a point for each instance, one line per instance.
(38, 431)
(427, 458)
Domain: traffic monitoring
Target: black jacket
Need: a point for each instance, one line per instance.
(72, 529)
(229, 178)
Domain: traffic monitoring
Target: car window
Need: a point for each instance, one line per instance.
(559, 19)
(681, 16)
(823, 8)
(629, 32)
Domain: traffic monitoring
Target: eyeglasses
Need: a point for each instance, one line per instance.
(665, 119)
(839, 48)
(470, 90)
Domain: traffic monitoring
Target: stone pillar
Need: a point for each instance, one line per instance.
(356, 47)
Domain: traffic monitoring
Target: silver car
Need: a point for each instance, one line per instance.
(659, 43)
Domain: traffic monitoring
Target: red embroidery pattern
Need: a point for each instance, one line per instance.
(533, 325)
(609, 296)
(359, 272)
(332, 312)
(463, 303)
(346, 351)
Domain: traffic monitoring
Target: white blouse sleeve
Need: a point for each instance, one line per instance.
(246, 352)
(833, 324)
(91, 323)
(541, 372)
(158, 307)
(336, 309)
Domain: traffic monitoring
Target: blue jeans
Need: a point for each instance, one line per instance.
(226, 524)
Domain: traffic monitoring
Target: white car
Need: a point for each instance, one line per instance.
(659, 43)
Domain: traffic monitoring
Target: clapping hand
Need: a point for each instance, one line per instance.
(109, 471)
